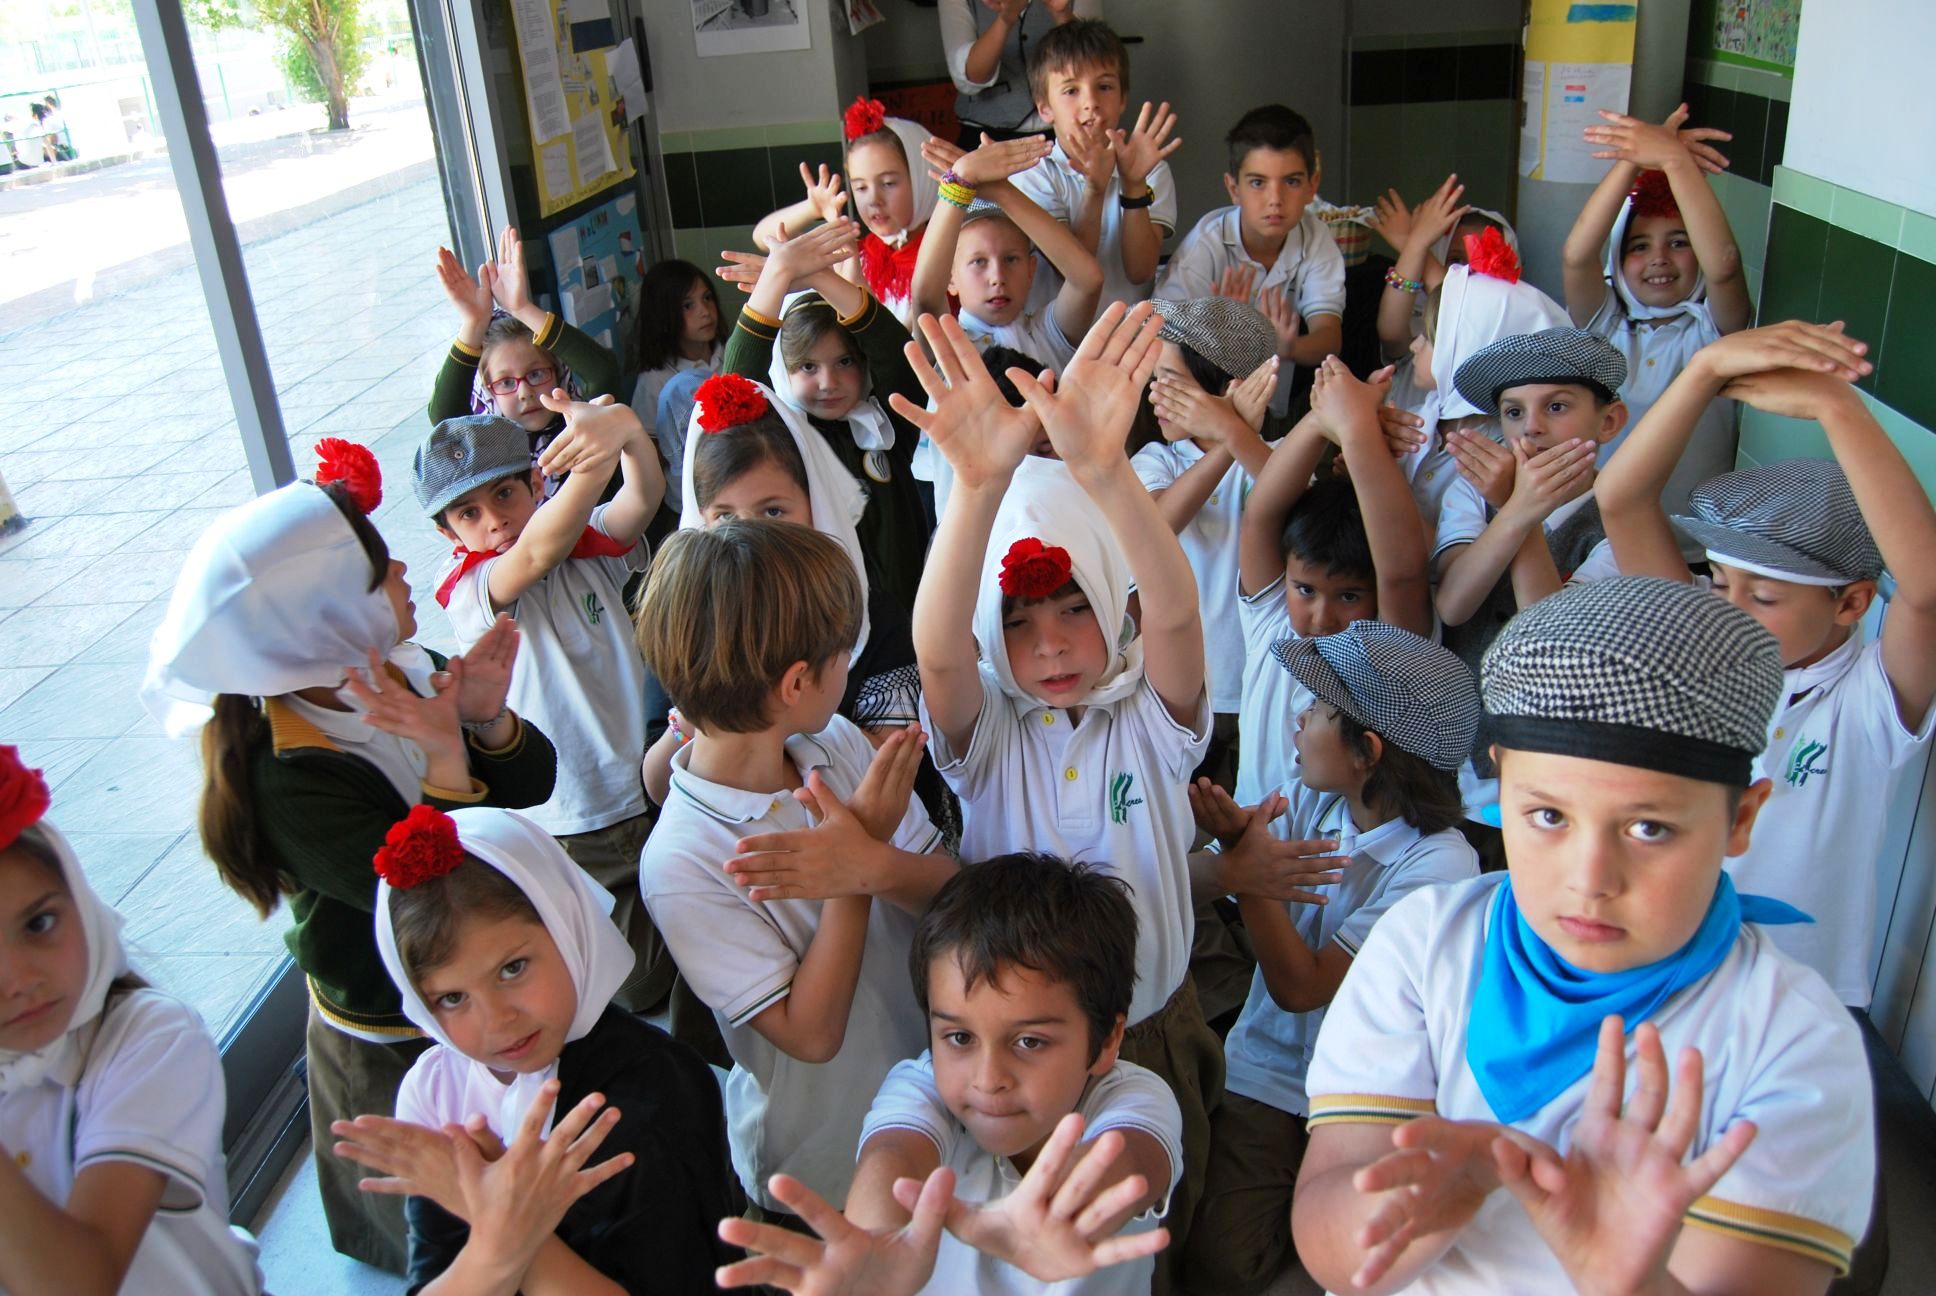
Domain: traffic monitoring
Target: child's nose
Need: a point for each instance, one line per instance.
(1590, 872)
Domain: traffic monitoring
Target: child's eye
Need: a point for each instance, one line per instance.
(1649, 830)
(1031, 1043)
(775, 511)
(1013, 623)
(448, 1002)
(1558, 407)
(1511, 412)
(1079, 608)
(512, 970)
(957, 1039)
(1303, 590)
(1349, 596)
(42, 923)
(1546, 817)
(806, 368)
(846, 362)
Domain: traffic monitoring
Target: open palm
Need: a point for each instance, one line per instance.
(1088, 414)
(972, 424)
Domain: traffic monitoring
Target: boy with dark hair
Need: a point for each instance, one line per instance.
(1265, 248)
(561, 571)
(1024, 965)
(1112, 188)
(1480, 1039)
(749, 626)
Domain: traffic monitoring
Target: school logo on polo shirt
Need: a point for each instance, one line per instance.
(1804, 760)
(1120, 802)
(594, 610)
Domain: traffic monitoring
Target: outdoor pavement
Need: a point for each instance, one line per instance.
(125, 454)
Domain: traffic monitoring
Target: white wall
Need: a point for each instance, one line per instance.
(1860, 115)
(1402, 17)
(693, 93)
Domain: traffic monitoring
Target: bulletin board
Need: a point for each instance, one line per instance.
(1753, 33)
(573, 94)
(599, 257)
(1579, 60)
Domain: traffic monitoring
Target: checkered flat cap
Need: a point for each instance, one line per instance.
(464, 453)
(1554, 355)
(1794, 519)
(1232, 335)
(1410, 691)
(1638, 671)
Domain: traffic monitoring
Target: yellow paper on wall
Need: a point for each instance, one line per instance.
(1579, 60)
(583, 150)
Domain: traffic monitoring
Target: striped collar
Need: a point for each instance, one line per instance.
(740, 805)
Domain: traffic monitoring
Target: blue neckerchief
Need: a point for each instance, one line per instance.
(1535, 1021)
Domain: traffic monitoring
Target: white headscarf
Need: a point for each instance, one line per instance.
(106, 959)
(912, 136)
(867, 421)
(574, 909)
(1476, 310)
(1443, 248)
(832, 493)
(1044, 502)
(1635, 308)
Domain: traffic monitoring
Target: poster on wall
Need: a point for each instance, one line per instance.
(578, 115)
(599, 257)
(1579, 61)
(749, 26)
(1753, 33)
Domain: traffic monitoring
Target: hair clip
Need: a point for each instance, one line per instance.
(23, 796)
(420, 846)
(1489, 254)
(354, 467)
(727, 401)
(1033, 570)
(863, 117)
(1653, 196)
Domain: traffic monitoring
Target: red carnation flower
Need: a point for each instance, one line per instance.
(1489, 254)
(864, 117)
(728, 400)
(1653, 196)
(23, 796)
(420, 846)
(355, 467)
(1033, 570)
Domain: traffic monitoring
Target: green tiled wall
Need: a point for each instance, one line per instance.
(1424, 104)
(718, 179)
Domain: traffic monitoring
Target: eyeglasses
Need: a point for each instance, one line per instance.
(539, 379)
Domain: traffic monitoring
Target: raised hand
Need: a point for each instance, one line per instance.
(1218, 814)
(1438, 215)
(1260, 864)
(485, 675)
(972, 424)
(831, 859)
(1191, 411)
(409, 1160)
(824, 193)
(999, 159)
(1437, 1176)
(940, 155)
(881, 800)
(1060, 1222)
(1792, 344)
(1629, 139)
(1544, 481)
(1793, 393)
(595, 432)
(1483, 462)
(391, 706)
(1404, 431)
(1611, 1208)
(509, 284)
(471, 297)
(1088, 415)
(842, 1259)
(1237, 282)
(742, 269)
(1275, 303)
(1251, 396)
(1394, 219)
(1093, 156)
(1340, 402)
(820, 248)
(1147, 143)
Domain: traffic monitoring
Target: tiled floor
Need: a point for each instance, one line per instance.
(121, 473)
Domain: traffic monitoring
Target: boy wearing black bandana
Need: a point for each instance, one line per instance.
(1481, 1039)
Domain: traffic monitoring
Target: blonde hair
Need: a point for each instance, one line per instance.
(727, 610)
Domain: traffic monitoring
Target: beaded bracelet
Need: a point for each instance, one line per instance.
(1393, 279)
(955, 190)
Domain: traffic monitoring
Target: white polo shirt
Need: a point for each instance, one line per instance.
(1210, 543)
(1059, 189)
(1111, 791)
(1779, 1050)
(1269, 1050)
(1835, 754)
(578, 677)
(1464, 516)
(1272, 698)
(1656, 352)
(783, 1115)
(1126, 1097)
(1309, 269)
(149, 1093)
(1034, 333)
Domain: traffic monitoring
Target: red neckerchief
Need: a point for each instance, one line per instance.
(593, 544)
(889, 270)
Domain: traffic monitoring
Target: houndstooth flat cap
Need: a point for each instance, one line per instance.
(1638, 671)
(1554, 355)
(1410, 691)
(1794, 519)
(1232, 335)
(464, 453)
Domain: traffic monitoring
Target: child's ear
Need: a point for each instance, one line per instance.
(1744, 815)
(793, 683)
(1612, 419)
(1112, 1046)
(536, 482)
(1230, 185)
(1374, 751)
(1853, 603)
(445, 531)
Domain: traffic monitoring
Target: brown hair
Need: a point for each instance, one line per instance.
(721, 458)
(727, 610)
(507, 328)
(235, 738)
(37, 848)
(1074, 46)
(427, 917)
(803, 328)
(1012, 601)
(1404, 784)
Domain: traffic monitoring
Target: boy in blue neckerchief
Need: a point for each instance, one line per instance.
(1480, 1040)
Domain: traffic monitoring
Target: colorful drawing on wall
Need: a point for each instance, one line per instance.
(1755, 33)
(578, 119)
(749, 26)
(598, 261)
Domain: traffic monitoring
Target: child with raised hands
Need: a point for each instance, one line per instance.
(980, 251)
(1046, 1156)
(1670, 279)
(1478, 1041)
(829, 352)
(111, 1097)
(509, 353)
(505, 954)
(1060, 726)
(1378, 756)
(561, 570)
(287, 644)
(1428, 240)
(1800, 545)
(789, 861)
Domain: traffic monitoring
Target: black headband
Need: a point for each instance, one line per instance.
(1625, 744)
